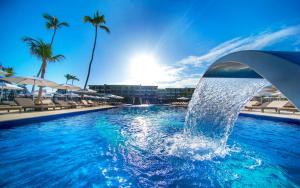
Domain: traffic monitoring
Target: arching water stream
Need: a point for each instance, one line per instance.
(214, 108)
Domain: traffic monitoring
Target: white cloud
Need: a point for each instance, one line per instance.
(183, 82)
(253, 42)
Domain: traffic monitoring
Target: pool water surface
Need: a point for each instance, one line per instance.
(134, 147)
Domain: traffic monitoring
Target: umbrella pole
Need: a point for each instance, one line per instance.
(32, 90)
(1, 93)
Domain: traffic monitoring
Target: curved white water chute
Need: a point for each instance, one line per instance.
(232, 81)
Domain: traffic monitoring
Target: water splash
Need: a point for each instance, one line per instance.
(213, 110)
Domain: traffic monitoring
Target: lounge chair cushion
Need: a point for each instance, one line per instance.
(10, 103)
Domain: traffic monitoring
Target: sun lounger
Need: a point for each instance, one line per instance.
(75, 104)
(85, 103)
(50, 103)
(275, 105)
(288, 107)
(27, 103)
(252, 104)
(91, 102)
(261, 107)
(8, 108)
(62, 104)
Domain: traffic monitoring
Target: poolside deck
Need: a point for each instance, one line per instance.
(15, 116)
(288, 117)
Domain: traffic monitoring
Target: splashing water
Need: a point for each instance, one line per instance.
(213, 110)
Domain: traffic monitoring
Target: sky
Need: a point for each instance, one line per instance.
(169, 43)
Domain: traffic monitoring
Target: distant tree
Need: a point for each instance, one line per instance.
(43, 51)
(68, 77)
(97, 21)
(73, 77)
(9, 71)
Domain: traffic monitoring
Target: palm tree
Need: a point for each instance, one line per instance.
(73, 77)
(43, 51)
(68, 77)
(10, 71)
(97, 21)
(52, 23)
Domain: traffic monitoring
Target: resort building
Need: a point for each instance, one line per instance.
(168, 95)
(138, 94)
(133, 94)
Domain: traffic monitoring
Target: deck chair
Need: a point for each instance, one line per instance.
(27, 103)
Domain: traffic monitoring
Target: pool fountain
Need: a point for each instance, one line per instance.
(225, 88)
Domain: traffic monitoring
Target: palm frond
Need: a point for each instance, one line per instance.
(47, 16)
(87, 19)
(56, 58)
(105, 28)
(49, 25)
(63, 24)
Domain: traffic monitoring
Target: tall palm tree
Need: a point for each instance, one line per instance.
(52, 23)
(68, 77)
(43, 51)
(73, 77)
(97, 21)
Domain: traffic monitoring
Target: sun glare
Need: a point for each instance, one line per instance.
(145, 69)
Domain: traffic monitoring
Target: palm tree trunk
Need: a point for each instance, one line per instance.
(52, 39)
(38, 74)
(44, 64)
(90, 65)
(72, 82)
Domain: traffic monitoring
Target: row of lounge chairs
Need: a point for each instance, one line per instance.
(45, 104)
(277, 106)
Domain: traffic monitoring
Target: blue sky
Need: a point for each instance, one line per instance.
(182, 37)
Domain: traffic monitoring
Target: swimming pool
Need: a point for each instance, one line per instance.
(132, 147)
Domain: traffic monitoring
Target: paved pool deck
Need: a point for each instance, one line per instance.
(286, 117)
(15, 117)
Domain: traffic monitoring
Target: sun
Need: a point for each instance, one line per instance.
(145, 69)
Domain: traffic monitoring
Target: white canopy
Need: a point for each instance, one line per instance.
(86, 91)
(2, 73)
(68, 87)
(31, 81)
(8, 86)
(114, 96)
(183, 98)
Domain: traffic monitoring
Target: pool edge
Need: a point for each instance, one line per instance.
(23, 121)
(271, 118)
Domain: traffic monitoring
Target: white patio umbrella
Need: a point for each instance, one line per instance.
(114, 96)
(68, 87)
(8, 86)
(2, 73)
(85, 91)
(72, 95)
(183, 98)
(31, 81)
(103, 98)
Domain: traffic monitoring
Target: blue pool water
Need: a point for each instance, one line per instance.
(138, 147)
